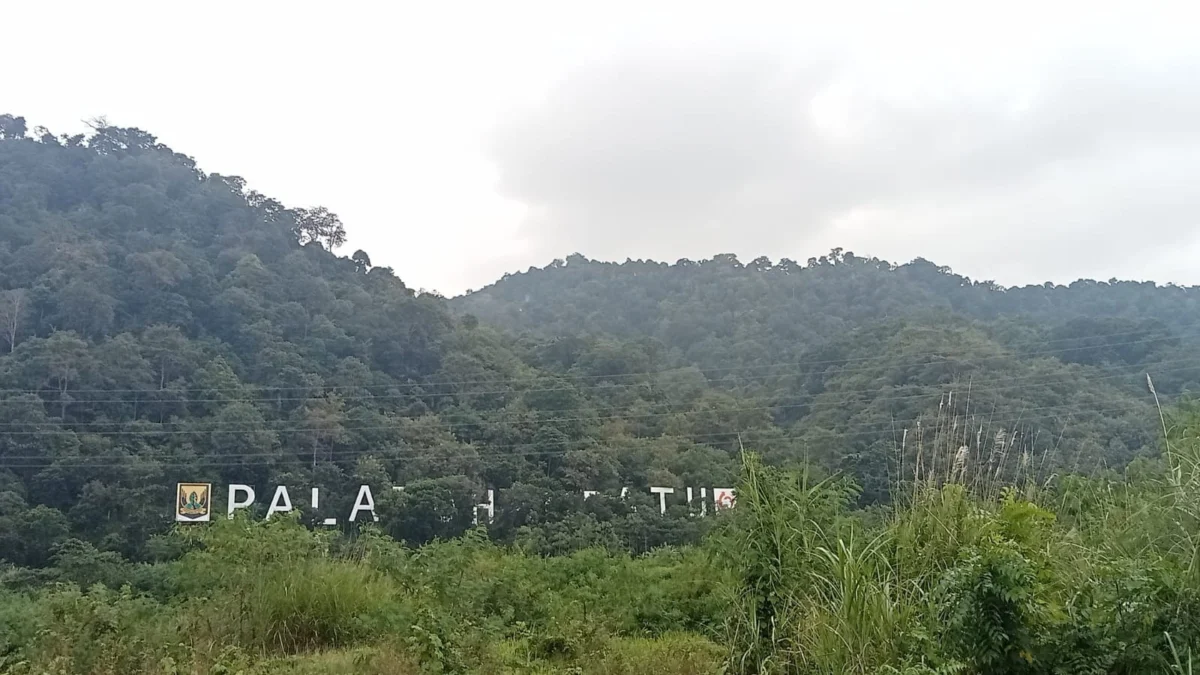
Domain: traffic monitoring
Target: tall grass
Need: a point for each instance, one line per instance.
(975, 568)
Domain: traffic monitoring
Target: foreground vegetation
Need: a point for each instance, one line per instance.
(1093, 574)
(275, 597)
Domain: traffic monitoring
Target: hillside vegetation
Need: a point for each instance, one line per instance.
(934, 475)
(164, 325)
(1079, 575)
(862, 362)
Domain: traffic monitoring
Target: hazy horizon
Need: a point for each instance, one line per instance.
(776, 261)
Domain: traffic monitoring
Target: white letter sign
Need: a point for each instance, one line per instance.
(233, 501)
(662, 493)
(316, 502)
(489, 506)
(363, 502)
(281, 502)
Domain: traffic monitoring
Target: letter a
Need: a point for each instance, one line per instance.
(363, 502)
(281, 502)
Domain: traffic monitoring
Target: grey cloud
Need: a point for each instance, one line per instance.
(700, 155)
(633, 152)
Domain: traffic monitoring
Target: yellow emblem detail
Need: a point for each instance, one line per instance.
(193, 502)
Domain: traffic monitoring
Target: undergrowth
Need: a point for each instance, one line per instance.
(1081, 575)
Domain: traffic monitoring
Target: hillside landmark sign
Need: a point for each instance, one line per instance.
(194, 501)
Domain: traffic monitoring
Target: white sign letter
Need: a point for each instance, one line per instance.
(490, 506)
(316, 504)
(281, 502)
(662, 493)
(363, 502)
(233, 501)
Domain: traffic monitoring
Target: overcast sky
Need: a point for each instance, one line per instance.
(1020, 143)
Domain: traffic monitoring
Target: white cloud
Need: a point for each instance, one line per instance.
(462, 140)
(1077, 166)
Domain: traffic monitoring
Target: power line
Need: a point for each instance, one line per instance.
(779, 365)
(372, 397)
(843, 397)
(767, 437)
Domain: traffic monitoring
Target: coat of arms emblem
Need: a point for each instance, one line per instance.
(724, 498)
(192, 502)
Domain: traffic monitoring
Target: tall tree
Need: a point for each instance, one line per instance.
(319, 225)
(14, 307)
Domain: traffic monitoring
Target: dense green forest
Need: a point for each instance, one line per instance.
(855, 356)
(160, 324)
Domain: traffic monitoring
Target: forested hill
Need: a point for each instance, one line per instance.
(727, 316)
(161, 324)
(785, 306)
(847, 346)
